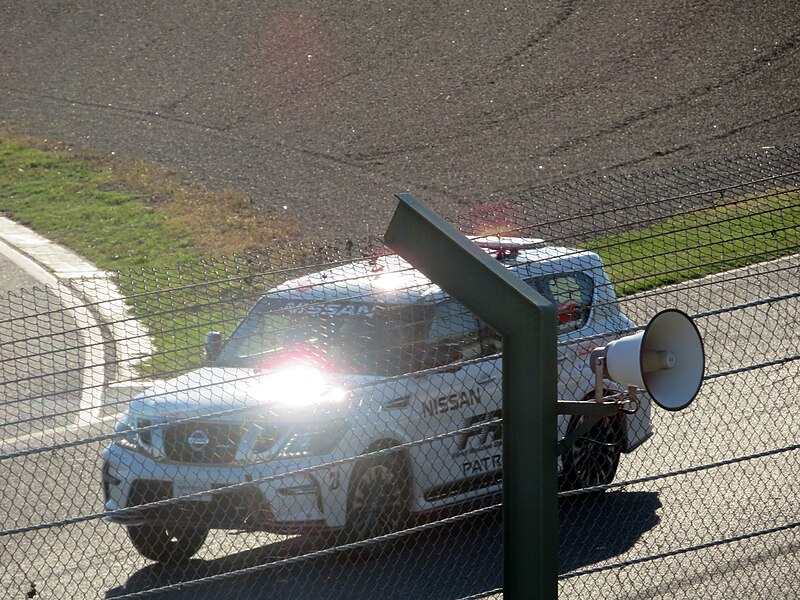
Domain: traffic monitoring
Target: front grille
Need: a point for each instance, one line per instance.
(206, 443)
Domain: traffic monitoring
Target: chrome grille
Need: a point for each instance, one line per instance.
(206, 443)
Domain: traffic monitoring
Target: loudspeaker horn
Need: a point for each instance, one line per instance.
(667, 359)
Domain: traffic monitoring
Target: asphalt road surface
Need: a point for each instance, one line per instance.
(13, 278)
(324, 111)
(734, 416)
(37, 356)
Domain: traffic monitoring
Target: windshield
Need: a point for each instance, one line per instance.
(354, 337)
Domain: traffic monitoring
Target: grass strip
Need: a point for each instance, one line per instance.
(736, 233)
(122, 215)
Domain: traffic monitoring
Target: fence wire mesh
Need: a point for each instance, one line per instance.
(339, 433)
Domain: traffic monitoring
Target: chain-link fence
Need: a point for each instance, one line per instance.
(338, 433)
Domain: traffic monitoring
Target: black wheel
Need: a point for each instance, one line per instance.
(165, 544)
(378, 498)
(593, 459)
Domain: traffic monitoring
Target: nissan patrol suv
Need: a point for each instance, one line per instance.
(352, 399)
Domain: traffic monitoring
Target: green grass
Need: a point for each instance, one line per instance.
(130, 214)
(735, 233)
(82, 207)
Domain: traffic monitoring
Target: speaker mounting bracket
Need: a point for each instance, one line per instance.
(604, 405)
(621, 400)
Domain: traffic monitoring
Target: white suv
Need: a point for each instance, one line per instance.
(330, 367)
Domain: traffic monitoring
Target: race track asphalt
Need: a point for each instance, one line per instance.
(323, 111)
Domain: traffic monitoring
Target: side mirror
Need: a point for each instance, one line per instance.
(213, 345)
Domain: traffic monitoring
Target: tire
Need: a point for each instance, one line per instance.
(378, 497)
(165, 544)
(593, 459)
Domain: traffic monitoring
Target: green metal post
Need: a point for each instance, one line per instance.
(527, 322)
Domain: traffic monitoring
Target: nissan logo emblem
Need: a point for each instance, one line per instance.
(198, 440)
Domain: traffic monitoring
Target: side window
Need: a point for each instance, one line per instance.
(572, 294)
(455, 333)
(401, 331)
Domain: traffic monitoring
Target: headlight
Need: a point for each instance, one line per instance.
(314, 442)
(268, 436)
(131, 437)
(127, 438)
(309, 442)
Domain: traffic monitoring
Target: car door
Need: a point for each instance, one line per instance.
(460, 389)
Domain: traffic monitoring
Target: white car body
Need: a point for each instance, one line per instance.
(308, 414)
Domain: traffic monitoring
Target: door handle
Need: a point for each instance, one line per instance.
(486, 380)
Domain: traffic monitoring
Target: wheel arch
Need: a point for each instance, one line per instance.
(363, 461)
(620, 418)
(386, 442)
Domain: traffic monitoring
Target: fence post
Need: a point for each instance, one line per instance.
(527, 322)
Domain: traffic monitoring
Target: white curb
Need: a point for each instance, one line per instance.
(96, 303)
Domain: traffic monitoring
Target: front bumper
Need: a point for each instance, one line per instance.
(216, 496)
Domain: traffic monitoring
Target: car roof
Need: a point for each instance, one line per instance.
(389, 279)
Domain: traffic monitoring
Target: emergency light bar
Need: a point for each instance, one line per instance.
(494, 242)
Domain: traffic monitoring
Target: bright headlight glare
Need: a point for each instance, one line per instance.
(302, 386)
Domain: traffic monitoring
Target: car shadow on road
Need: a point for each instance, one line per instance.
(594, 529)
(450, 561)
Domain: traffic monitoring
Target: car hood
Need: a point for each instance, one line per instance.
(231, 393)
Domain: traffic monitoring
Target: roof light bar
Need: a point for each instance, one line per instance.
(494, 242)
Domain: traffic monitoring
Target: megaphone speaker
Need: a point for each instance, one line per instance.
(667, 359)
